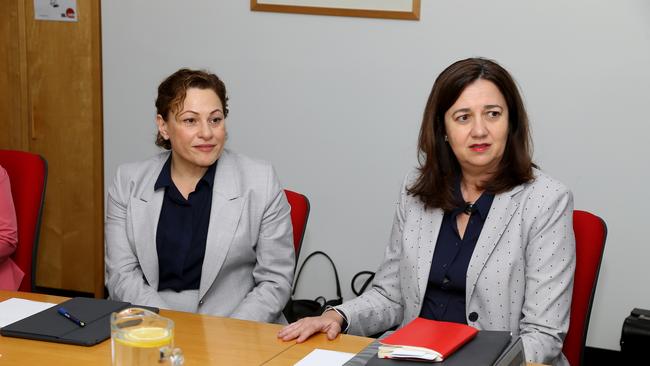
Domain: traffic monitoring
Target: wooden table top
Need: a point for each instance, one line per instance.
(342, 343)
(204, 339)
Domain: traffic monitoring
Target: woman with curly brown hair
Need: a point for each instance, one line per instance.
(198, 227)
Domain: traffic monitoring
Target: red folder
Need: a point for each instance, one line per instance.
(425, 339)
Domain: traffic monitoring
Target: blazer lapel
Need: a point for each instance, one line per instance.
(430, 222)
(145, 207)
(225, 214)
(503, 209)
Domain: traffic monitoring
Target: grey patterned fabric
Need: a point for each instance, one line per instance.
(249, 256)
(520, 277)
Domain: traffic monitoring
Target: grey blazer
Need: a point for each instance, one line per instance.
(249, 256)
(520, 276)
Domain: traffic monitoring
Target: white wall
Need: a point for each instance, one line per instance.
(335, 104)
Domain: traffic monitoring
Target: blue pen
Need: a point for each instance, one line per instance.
(73, 319)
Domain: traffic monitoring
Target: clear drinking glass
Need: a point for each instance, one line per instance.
(142, 337)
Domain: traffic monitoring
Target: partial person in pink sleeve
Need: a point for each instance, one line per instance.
(10, 274)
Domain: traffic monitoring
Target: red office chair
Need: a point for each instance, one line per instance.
(590, 232)
(299, 214)
(28, 176)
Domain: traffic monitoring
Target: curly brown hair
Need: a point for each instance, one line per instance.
(172, 92)
(438, 165)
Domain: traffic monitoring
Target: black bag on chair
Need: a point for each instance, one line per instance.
(297, 309)
(366, 283)
(635, 335)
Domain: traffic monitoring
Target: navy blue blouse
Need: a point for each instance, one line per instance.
(444, 298)
(182, 231)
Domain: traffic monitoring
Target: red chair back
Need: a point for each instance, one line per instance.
(590, 232)
(299, 215)
(27, 175)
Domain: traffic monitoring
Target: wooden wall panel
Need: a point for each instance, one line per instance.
(65, 91)
(13, 123)
(56, 67)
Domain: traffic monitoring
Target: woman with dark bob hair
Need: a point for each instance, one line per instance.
(197, 227)
(480, 235)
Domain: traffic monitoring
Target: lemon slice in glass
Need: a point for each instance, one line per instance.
(146, 337)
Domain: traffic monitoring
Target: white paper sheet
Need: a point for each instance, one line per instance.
(321, 357)
(12, 310)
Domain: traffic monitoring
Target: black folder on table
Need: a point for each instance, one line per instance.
(49, 325)
(488, 348)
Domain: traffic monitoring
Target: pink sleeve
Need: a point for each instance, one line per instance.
(8, 231)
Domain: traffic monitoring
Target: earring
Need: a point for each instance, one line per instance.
(446, 139)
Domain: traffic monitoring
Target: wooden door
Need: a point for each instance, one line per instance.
(13, 123)
(59, 73)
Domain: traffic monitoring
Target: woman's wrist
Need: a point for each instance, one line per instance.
(337, 315)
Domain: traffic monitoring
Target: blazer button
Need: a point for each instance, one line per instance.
(473, 316)
(200, 302)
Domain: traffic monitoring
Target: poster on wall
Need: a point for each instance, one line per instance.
(393, 9)
(56, 10)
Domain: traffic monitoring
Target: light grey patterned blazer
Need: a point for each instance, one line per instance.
(249, 256)
(520, 276)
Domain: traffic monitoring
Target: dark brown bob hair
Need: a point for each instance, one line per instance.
(172, 92)
(439, 167)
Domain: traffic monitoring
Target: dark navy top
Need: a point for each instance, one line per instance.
(444, 298)
(182, 231)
